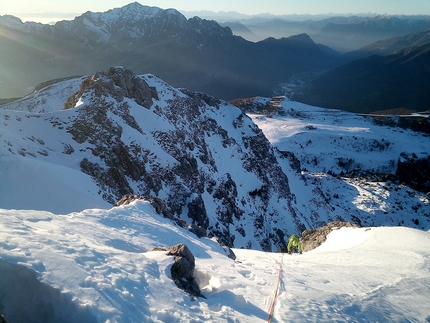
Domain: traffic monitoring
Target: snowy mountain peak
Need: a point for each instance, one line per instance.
(134, 12)
(14, 23)
(137, 135)
(133, 21)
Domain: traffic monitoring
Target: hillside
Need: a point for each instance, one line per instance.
(126, 134)
(397, 81)
(391, 45)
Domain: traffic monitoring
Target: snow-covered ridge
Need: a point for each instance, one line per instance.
(50, 98)
(175, 146)
(337, 141)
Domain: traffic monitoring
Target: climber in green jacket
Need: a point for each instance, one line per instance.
(294, 242)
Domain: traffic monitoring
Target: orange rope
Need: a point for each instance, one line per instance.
(272, 306)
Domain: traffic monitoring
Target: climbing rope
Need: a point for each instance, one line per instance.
(275, 297)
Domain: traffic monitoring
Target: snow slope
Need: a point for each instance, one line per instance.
(328, 139)
(99, 261)
(325, 140)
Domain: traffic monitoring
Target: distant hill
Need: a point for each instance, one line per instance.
(342, 33)
(391, 45)
(397, 81)
(240, 29)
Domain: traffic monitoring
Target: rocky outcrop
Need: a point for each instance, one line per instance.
(117, 82)
(312, 239)
(414, 171)
(182, 270)
(156, 202)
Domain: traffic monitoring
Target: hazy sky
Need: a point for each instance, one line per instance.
(48, 9)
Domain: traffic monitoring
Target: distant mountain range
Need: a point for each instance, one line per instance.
(205, 56)
(391, 45)
(197, 54)
(342, 33)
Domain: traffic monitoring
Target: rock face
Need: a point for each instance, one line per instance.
(312, 239)
(157, 203)
(414, 171)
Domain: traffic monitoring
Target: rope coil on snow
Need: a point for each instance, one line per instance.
(275, 297)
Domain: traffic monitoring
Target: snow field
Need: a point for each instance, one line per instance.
(100, 262)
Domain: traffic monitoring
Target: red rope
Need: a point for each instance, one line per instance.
(272, 305)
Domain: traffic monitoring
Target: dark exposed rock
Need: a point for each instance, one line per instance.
(182, 270)
(118, 82)
(229, 253)
(2, 319)
(294, 161)
(312, 239)
(197, 212)
(198, 230)
(414, 171)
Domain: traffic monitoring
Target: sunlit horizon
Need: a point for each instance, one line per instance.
(49, 11)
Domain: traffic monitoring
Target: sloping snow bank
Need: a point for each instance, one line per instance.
(99, 262)
(30, 183)
(376, 274)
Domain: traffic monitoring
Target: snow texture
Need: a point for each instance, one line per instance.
(99, 261)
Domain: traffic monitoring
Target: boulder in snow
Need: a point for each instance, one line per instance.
(312, 239)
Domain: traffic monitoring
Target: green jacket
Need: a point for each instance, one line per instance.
(294, 242)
